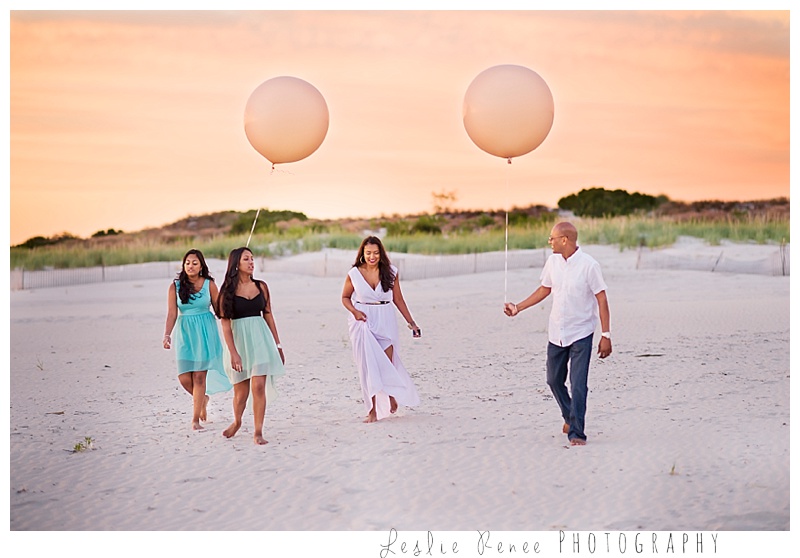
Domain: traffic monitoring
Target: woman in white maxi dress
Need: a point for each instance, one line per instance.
(371, 293)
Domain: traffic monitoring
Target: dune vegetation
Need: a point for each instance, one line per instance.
(280, 233)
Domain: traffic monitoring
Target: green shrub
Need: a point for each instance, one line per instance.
(398, 228)
(427, 224)
(599, 202)
(267, 220)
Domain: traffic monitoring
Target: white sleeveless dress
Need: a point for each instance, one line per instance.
(379, 376)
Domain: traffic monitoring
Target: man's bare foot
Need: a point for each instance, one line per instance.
(393, 403)
(204, 410)
(565, 428)
(197, 426)
(371, 417)
(232, 429)
(259, 439)
(577, 442)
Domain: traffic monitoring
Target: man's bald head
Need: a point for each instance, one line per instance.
(567, 229)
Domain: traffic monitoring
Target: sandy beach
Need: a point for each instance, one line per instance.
(688, 421)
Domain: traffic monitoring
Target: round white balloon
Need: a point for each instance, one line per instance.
(286, 119)
(508, 110)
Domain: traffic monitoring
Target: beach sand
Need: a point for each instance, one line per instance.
(687, 422)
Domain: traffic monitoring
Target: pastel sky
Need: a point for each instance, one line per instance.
(134, 119)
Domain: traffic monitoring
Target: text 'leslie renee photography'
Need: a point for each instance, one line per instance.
(560, 543)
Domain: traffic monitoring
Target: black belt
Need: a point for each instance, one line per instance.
(374, 303)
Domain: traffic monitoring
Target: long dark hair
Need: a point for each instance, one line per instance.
(185, 287)
(227, 291)
(384, 265)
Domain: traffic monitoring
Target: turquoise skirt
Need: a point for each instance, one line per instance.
(259, 354)
(198, 347)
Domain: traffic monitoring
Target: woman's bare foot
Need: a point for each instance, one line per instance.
(259, 439)
(393, 403)
(577, 442)
(232, 429)
(197, 426)
(371, 417)
(204, 410)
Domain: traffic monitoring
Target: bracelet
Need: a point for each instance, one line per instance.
(166, 335)
(279, 346)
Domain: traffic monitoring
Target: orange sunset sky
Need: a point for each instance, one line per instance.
(134, 119)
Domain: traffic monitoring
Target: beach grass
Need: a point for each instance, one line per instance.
(479, 236)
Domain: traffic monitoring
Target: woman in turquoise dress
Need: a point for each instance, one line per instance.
(252, 350)
(198, 349)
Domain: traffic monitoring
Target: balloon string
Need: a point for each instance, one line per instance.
(252, 228)
(505, 286)
(505, 279)
(272, 171)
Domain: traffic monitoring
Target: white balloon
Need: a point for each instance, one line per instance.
(286, 119)
(508, 110)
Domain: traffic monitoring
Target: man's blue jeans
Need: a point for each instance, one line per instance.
(573, 409)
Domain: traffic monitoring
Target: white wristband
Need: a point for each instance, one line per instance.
(279, 346)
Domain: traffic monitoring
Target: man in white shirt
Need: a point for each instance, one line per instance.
(579, 295)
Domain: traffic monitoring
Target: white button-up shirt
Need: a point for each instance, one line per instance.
(574, 282)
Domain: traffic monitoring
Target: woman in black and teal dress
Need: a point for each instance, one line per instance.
(198, 350)
(252, 352)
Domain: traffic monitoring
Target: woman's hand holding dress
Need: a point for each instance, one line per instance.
(236, 362)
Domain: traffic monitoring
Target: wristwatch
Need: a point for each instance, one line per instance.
(606, 334)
